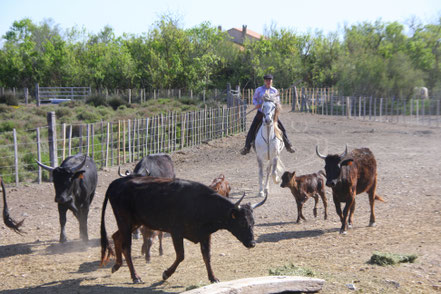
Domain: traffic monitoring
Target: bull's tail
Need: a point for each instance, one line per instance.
(379, 198)
(106, 249)
(9, 222)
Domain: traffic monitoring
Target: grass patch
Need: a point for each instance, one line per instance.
(291, 270)
(384, 259)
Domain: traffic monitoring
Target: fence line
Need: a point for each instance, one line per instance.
(119, 142)
(413, 111)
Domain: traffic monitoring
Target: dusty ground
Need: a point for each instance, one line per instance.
(409, 172)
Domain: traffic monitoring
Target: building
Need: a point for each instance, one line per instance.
(239, 35)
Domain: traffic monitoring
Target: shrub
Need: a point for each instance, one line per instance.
(96, 100)
(9, 99)
(116, 101)
(7, 126)
(4, 108)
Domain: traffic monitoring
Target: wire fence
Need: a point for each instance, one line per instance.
(414, 111)
(114, 143)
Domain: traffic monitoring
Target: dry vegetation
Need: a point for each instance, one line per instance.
(409, 223)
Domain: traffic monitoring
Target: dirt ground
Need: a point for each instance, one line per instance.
(409, 178)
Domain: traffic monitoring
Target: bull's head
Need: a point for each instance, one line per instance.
(333, 165)
(63, 178)
(287, 179)
(241, 223)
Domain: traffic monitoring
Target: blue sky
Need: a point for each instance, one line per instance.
(137, 16)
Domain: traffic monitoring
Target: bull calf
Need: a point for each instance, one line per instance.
(221, 186)
(304, 187)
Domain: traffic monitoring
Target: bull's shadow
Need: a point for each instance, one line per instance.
(15, 249)
(278, 236)
(70, 246)
(74, 286)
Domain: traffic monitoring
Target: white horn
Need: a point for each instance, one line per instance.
(344, 153)
(318, 153)
(238, 202)
(262, 202)
(46, 167)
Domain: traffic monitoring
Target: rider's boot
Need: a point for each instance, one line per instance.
(286, 141)
(252, 133)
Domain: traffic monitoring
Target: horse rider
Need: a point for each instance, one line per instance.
(257, 121)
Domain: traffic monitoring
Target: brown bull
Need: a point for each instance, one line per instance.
(349, 175)
(302, 188)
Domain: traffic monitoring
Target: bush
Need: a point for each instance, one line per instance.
(4, 108)
(96, 100)
(116, 101)
(7, 126)
(9, 99)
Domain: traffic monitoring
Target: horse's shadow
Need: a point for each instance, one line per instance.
(279, 236)
(15, 249)
(69, 285)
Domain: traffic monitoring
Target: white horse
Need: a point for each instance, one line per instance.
(268, 145)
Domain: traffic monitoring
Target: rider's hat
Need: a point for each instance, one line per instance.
(268, 77)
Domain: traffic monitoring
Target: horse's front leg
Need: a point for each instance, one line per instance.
(268, 173)
(260, 163)
(274, 171)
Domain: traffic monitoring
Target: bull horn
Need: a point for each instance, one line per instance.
(46, 167)
(119, 172)
(262, 202)
(318, 153)
(344, 153)
(78, 167)
(147, 172)
(238, 202)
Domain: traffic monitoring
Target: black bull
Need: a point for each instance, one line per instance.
(185, 209)
(75, 182)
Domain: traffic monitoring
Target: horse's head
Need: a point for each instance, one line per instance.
(268, 110)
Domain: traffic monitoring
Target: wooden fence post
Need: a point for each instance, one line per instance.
(37, 94)
(64, 140)
(129, 139)
(39, 154)
(52, 139)
(107, 145)
(70, 140)
(15, 157)
(26, 94)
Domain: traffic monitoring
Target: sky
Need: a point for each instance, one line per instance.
(138, 16)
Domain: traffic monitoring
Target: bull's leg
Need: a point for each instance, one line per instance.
(178, 243)
(148, 236)
(299, 209)
(117, 240)
(325, 202)
(126, 246)
(371, 194)
(337, 206)
(62, 209)
(205, 249)
(348, 206)
(160, 235)
(260, 164)
(315, 196)
(351, 215)
(82, 219)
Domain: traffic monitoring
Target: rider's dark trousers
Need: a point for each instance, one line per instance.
(255, 125)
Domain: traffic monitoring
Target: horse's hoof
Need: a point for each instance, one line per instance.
(261, 194)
